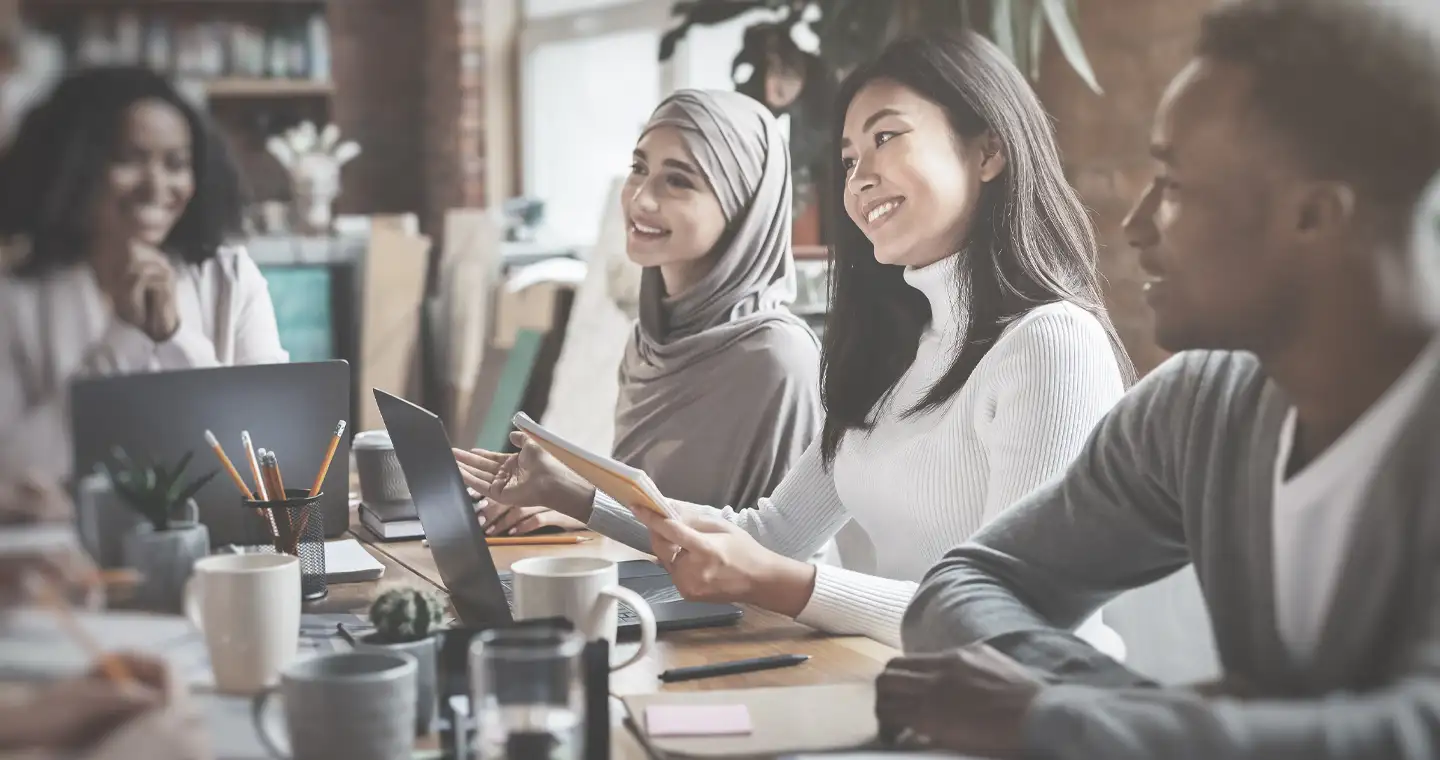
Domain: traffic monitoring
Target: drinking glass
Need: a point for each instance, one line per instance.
(528, 694)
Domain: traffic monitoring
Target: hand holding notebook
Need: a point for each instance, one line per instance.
(623, 483)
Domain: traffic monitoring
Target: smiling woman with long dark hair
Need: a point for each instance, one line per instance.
(966, 358)
(124, 202)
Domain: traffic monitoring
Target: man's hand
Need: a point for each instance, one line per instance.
(971, 700)
(77, 711)
(1227, 686)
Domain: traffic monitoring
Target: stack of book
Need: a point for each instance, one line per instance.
(386, 508)
(392, 522)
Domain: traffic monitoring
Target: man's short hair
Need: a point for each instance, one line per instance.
(1355, 84)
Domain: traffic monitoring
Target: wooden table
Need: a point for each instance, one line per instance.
(834, 659)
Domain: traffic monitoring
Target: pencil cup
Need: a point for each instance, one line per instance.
(295, 526)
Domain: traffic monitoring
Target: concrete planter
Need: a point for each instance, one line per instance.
(164, 560)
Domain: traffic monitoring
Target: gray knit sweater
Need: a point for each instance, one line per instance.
(1180, 471)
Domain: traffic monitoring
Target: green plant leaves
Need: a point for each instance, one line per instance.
(1058, 16)
(1002, 26)
(852, 31)
(187, 492)
(153, 490)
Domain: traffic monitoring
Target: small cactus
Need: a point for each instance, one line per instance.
(406, 614)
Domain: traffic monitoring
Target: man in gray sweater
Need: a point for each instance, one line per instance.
(1292, 454)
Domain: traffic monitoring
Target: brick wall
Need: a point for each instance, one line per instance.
(453, 109)
(407, 80)
(378, 49)
(1135, 46)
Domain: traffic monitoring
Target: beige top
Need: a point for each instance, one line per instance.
(59, 327)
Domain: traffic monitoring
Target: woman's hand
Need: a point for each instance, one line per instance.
(504, 520)
(77, 711)
(144, 293)
(529, 478)
(711, 560)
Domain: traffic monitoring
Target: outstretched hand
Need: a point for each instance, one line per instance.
(517, 489)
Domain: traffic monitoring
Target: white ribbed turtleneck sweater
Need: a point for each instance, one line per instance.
(921, 485)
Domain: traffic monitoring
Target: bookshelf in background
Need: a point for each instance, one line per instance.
(258, 66)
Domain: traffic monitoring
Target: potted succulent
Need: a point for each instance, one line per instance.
(409, 620)
(165, 544)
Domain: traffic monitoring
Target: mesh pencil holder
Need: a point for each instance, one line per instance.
(295, 526)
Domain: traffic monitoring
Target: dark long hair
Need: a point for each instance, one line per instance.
(50, 173)
(1030, 242)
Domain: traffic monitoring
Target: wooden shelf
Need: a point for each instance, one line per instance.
(233, 87)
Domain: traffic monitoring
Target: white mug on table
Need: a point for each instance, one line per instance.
(587, 591)
(248, 607)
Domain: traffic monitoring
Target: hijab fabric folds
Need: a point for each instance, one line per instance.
(719, 386)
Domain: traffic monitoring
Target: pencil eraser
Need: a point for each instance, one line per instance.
(697, 720)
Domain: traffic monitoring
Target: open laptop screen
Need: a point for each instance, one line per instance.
(456, 539)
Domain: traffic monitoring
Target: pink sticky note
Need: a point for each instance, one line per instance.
(697, 720)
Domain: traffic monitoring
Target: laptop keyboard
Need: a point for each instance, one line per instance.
(626, 615)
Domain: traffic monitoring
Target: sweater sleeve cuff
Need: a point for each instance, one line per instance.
(845, 601)
(187, 348)
(613, 520)
(1056, 718)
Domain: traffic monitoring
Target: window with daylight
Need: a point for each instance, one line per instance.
(586, 100)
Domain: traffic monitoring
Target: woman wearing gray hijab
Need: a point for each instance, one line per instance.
(967, 357)
(720, 383)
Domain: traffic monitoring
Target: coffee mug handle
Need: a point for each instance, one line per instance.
(257, 716)
(190, 597)
(620, 594)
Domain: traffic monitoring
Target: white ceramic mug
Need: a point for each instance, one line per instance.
(248, 607)
(585, 590)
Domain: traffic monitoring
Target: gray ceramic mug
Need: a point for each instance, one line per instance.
(355, 705)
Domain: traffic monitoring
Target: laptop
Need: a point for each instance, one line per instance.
(481, 594)
(290, 408)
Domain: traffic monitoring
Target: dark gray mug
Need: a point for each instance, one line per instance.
(355, 705)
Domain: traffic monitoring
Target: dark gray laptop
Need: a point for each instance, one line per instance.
(290, 408)
(457, 541)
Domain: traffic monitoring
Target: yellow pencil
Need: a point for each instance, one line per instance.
(329, 455)
(260, 489)
(229, 468)
(249, 445)
(535, 540)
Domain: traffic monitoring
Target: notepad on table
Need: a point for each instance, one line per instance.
(697, 720)
(346, 561)
(621, 482)
(784, 720)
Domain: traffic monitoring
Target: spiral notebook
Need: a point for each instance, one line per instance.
(619, 481)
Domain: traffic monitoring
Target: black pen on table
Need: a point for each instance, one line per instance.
(733, 668)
